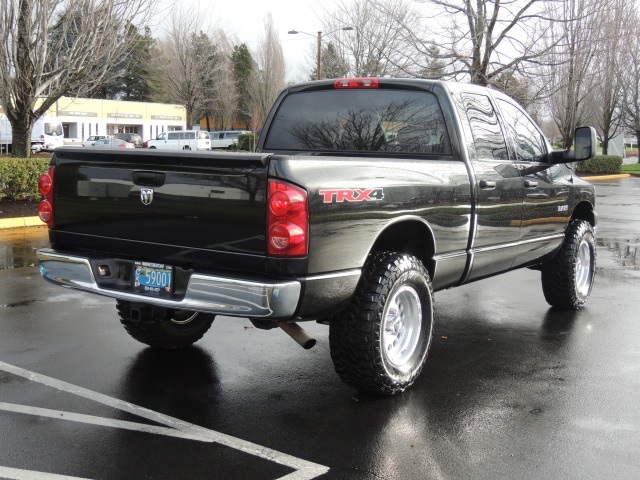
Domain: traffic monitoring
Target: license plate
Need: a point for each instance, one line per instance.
(152, 277)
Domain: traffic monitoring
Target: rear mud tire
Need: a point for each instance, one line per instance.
(175, 329)
(568, 278)
(380, 343)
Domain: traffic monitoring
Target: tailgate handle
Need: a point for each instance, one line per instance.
(148, 179)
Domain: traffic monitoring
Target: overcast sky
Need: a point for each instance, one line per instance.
(245, 20)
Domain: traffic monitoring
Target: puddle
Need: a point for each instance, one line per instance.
(622, 253)
(18, 246)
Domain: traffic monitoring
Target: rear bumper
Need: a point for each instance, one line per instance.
(204, 293)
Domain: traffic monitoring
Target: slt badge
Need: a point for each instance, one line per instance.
(146, 195)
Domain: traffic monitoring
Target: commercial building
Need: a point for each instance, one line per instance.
(82, 117)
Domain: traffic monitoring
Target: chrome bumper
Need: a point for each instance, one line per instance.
(205, 293)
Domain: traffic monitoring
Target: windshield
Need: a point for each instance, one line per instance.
(360, 120)
(53, 129)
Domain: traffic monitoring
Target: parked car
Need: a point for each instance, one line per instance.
(131, 138)
(225, 139)
(91, 139)
(181, 140)
(112, 143)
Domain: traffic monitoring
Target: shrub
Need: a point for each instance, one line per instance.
(247, 142)
(600, 164)
(19, 177)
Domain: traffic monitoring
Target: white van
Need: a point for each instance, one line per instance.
(225, 138)
(181, 140)
(47, 134)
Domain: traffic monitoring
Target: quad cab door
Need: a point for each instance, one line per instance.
(498, 189)
(521, 199)
(546, 187)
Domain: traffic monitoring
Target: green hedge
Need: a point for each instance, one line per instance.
(600, 164)
(247, 142)
(19, 177)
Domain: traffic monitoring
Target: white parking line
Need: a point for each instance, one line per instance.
(17, 474)
(101, 421)
(304, 470)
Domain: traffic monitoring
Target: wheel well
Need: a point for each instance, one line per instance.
(584, 211)
(411, 237)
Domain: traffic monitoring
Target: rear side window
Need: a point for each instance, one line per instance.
(487, 134)
(360, 120)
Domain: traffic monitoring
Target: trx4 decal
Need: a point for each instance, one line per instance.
(352, 195)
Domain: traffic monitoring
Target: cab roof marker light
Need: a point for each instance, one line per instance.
(363, 82)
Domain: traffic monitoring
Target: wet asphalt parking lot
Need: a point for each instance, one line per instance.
(512, 389)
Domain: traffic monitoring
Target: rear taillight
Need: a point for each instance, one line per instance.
(364, 82)
(287, 220)
(45, 209)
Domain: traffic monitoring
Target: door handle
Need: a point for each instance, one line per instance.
(530, 184)
(487, 184)
(148, 179)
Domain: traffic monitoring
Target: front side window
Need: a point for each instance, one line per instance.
(529, 142)
(485, 128)
(395, 121)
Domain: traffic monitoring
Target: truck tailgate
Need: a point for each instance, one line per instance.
(182, 206)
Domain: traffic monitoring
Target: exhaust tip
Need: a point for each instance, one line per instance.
(309, 344)
(300, 335)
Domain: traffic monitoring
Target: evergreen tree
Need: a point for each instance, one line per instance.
(206, 58)
(243, 71)
(436, 67)
(334, 65)
(137, 69)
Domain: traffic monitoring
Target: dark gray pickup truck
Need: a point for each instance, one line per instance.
(366, 196)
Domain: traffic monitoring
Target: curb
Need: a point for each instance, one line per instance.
(6, 223)
(606, 177)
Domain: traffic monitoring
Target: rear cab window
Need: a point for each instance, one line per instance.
(389, 120)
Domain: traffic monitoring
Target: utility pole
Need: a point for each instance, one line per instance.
(319, 69)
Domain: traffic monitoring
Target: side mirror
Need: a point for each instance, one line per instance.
(584, 147)
(584, 143)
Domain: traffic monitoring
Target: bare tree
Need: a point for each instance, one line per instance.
(606, 98)
(631, 83)
(271, 70)
(480, 40)
(377, 44)
(55, 46)
(225, 95)
(179, 58)
(570, 63)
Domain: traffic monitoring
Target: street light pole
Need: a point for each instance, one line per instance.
(319, 67)
(319, 55)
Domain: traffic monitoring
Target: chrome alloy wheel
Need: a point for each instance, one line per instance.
(583, 268)
(402, 325)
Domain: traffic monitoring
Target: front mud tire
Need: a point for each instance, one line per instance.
(164, 328)
(380, 343)
(568, 278)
